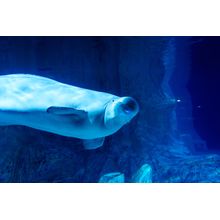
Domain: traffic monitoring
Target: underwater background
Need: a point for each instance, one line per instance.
(174, 137)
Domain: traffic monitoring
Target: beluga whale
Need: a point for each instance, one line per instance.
(48, 105)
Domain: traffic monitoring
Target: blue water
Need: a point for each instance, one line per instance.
(173, 138)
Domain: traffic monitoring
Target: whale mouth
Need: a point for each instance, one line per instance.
(129, 105)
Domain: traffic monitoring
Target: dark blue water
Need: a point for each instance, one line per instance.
(204, 87)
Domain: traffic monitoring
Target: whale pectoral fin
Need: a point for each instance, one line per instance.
(66, 111)
(93, 143)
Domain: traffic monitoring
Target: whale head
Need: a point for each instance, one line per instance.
(120, 111)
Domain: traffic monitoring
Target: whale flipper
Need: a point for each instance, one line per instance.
(66, 111)
(93, 143)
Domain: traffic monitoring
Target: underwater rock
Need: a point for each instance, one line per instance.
(189, 169)
(143, 175)
(115, 177)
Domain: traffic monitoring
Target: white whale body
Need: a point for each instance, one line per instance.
(48, 105)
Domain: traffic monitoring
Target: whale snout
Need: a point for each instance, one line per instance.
(130, 105)
(120, 111)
